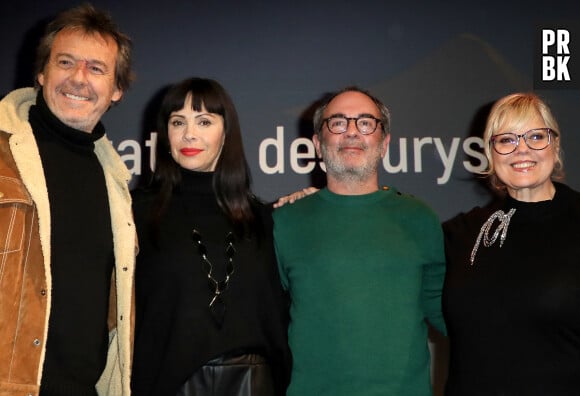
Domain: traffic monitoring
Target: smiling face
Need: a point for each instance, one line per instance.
(526, 173)
(78, 81)
(352, 156)
(196, 138)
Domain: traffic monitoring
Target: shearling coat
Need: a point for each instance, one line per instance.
(25, 275)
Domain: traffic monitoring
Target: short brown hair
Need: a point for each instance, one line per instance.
(88, 19)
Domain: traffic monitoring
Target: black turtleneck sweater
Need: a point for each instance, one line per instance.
(81, 255)
(175, 331)
(513, 317)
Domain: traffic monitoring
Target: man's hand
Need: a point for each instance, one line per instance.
(291, 198)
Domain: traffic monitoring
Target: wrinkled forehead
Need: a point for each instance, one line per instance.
(352, 103)
(74, 34)
(89, 46)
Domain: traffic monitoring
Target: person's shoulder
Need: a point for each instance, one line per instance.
(299, 206)
(14, 108)
(18, 97)
(260, 208)
(401, 195)
(474, 217)
(569, 191)
(410, 201)
(568, 197)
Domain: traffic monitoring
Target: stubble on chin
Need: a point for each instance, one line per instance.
(339, 170)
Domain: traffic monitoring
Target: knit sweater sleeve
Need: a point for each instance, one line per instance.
(423, 226)
(433, 276)
(280, 218)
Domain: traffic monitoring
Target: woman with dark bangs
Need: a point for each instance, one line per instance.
(211, 313)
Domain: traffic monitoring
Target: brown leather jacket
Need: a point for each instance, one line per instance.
(25, 276)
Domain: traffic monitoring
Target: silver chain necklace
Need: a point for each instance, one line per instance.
(216, 305)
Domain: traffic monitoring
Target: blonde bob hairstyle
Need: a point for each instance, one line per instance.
(510, 114)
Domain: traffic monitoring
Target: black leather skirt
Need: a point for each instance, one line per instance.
(242, 375)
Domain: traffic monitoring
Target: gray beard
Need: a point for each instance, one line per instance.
(339, 171)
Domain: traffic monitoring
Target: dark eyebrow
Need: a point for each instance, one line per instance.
(360, 115)
(336, 115)
(208, 114)
(368, 115)
(88, 61)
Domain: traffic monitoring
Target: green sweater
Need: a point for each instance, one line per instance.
(363, 273)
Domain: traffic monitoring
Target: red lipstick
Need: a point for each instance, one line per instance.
(190, 151)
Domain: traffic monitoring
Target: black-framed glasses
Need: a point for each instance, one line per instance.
(365, 124)
(536, 139)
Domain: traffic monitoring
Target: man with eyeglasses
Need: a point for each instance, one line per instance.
(363, 265)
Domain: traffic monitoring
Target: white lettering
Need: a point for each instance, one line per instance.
(446, 159)
(152, 144)
(302, 155)
(296, 155)
(548, 39)
(278, 146)
(134, 156)
(477, 154)
(563, 41)
(560, 37)
(548, 68)
(402, 165)
(555, 68)
(563, 73)
(418, 144)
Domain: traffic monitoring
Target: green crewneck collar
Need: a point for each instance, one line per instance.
(352, 200)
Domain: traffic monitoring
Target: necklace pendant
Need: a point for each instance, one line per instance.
(218, 310)
(217, 305)
(504, 222)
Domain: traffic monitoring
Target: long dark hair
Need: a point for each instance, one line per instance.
(231, 179)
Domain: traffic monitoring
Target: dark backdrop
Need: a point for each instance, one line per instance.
(438, 65)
